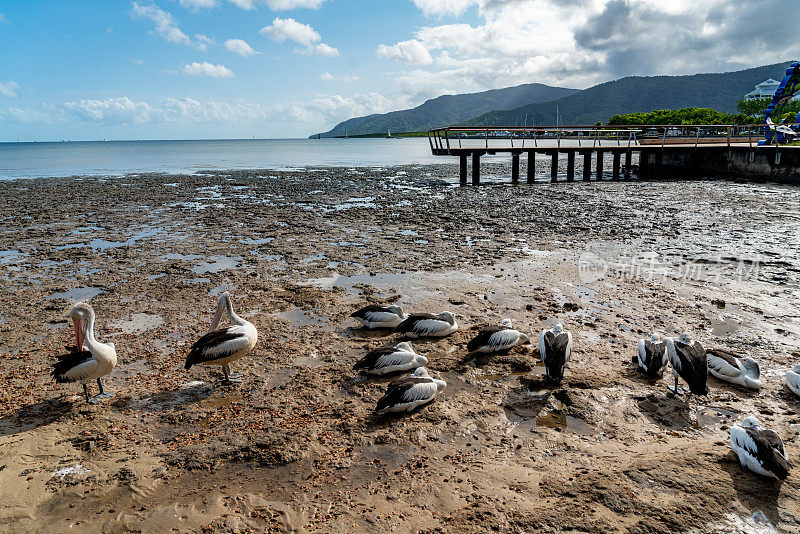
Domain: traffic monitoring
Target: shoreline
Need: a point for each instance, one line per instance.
(297, 447)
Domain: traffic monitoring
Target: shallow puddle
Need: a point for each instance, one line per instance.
(78, 294)
(216, 264)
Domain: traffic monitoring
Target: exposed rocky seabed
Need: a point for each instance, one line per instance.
(298, 447)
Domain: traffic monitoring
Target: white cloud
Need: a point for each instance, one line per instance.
(207, 69)
(289, 29)
(444, 7)
(578, 44)
(407, 52)
(9, 89)
(239, 46)
(197, 5)
(167, 27)
(327, 109)
(328, 77)
(279, 5)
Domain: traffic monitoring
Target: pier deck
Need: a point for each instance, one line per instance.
(632, 151)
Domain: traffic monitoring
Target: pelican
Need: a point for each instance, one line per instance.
(89, 359)
(428, 325)
(688, 360)
(730, 368)
(407, 393)
(225, 345)
(387, 360)
(380, 316)
(497, 338)
(653, 356)
(760, 450)
(793, 379)
(780, 128)
(555, 348)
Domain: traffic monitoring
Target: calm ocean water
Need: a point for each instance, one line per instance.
(33, 160)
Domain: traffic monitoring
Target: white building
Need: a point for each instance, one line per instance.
(765, 89)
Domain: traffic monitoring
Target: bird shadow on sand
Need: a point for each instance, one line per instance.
(32, 416)
(755, 492)
(168, 398)
(666, 410)
(361, 332)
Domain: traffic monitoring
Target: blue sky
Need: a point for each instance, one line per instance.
(164, 69)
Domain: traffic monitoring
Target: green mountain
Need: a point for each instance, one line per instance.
(637, 94)
(448, 109)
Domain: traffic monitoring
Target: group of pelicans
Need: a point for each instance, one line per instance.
(760, 450)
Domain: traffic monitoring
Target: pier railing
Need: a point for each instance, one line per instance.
(452, 140)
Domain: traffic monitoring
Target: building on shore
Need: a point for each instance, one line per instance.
(765, 89)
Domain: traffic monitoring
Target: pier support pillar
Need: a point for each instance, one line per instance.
(657, 169)
(476, 168)
(554, 167)
(571, 166)
(615, 166)
(587, 166)
(531, 167)
(599, 164)
(644, 165)
(462, 170)
(515, 168)
(628, 164)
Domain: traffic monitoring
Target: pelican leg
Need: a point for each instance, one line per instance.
(677, 390)
(86, 392)
(102, 394)
(231, 378)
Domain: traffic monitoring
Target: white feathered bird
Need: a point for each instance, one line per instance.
(225, 345)
(760, 450)
(386, 360)
(728, 367)
(497, 338)
(410, 392)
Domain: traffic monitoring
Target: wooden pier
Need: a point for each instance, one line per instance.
(640, 152)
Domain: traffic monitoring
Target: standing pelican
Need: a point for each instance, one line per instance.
(555, 348)
(387, 360)
(374, 316)
(760, 450)
(688, 360)
(497, 338)
(653, 356)
(793, 379)
(225, 345)
(90, 359)
(730, 368)
(407, 393)
(428, 325)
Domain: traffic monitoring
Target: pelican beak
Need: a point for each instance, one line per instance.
(79, 333)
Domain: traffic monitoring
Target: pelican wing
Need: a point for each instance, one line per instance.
(761, 446)
(407, 389)
(75, 366)
(384, 357)
(722, 364)
(693, 366)
(495, 337)
(217, 345)
(422, 324)
(774, 440)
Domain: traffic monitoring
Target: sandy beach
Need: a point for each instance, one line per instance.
(297, 446)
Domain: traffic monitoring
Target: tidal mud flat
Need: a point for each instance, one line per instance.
(297, 447)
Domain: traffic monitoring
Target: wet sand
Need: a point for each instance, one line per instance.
(297, 447)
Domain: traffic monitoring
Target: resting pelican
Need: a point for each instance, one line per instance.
(760, 450)
(225, 345)
(380, 316)
(428, 325)
(688, 359)
(793, 379)
(555, 348)
(408, 393)
(730, 368)
(387, 360)
(89, 359)
(653, 356)
(497, 338)
(780, 128)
